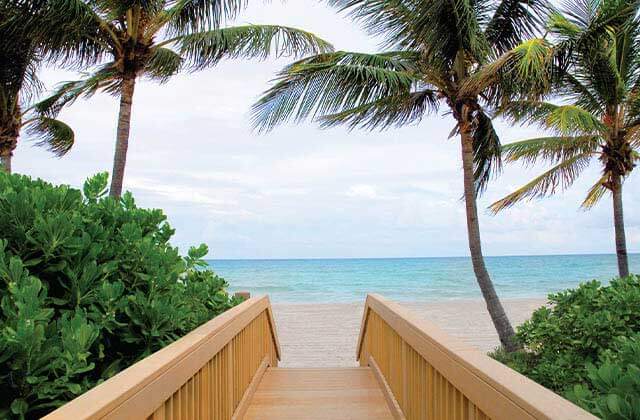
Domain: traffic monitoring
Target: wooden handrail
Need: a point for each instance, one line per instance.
(433, 374)
(225, 352)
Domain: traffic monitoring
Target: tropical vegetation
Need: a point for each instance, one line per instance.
(21, 56)
(435, 55)
(590, 62)
(88, 286)
(585, 345)
(155, 39)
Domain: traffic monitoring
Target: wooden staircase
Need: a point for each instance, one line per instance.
(323, 393)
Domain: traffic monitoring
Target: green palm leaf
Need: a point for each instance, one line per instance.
(197, 15)
(561, 176)
(396, 110)
(595, 193)
(487, 158)
(78, 34)
(105, 78)
(579, 90)
(163, 64)
(514, 21)
(524, 71)
(550, 149)
(566, 120)
(52, 134)
(204, 49)
(333, 83)
(392, 19)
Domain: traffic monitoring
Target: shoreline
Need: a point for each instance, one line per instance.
(325, 334)
(436, 301)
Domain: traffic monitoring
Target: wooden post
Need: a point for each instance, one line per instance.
(243, 294)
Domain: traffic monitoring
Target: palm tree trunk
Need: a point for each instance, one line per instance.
(122, 136)
(5, 162)
(7, 146)
(494, 306)
(618, 222)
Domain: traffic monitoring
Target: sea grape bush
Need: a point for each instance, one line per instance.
(613, 389)
(88, 286)
(585, 345)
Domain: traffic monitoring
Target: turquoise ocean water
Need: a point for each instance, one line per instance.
(422, 279)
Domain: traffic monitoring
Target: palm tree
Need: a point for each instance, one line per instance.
(435, 49)
(593, 65)
(21, 55)
(157, 39)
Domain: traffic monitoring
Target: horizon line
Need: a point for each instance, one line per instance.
(416, 258)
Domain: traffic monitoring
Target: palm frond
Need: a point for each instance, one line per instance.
(440, 29)
(189, 16)
(163, 64)
(632, 106)
(333, 83)
(486, 151)
(72, 32)
(567, 120)
(559, 177)
(579, 90)
(105, 79)
(580, 26)
(550, 149)
(525, 71)
(595, 193)
(204, 49)
(19, 59)
(52, 134)
(633, 136)
(398, 111)
(392, 19)
(513, 21)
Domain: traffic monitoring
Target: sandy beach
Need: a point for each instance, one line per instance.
(325, 335)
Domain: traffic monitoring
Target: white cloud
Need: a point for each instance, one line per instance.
(363, 191)
(304, 192)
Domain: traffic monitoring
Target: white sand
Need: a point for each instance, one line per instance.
(325, 335)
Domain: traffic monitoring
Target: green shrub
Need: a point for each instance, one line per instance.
(613, 388)
(88, 286)
(585, 345)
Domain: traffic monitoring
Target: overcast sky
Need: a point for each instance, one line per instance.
(302, 192)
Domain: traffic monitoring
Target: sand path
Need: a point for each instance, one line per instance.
(325, 335)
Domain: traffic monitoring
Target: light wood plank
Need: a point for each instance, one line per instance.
(251, 390)
(344, 393)
(460, 370)
(392, 403)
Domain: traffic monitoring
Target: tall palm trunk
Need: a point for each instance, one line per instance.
(7, 146)
(494, 306)
(122, 136)
(618, 222)
(5, 161)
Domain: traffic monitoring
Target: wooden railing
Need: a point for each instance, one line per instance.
(209, 373)
(430, 375)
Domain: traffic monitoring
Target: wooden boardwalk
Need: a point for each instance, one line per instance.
(322, 393)
(227, 369)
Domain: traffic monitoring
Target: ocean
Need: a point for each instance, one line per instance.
(414, 279)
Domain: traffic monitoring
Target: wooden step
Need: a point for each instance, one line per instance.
(325, 393)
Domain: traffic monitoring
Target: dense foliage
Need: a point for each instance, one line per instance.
(88, 285)
(613, 390)
(586, 346)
